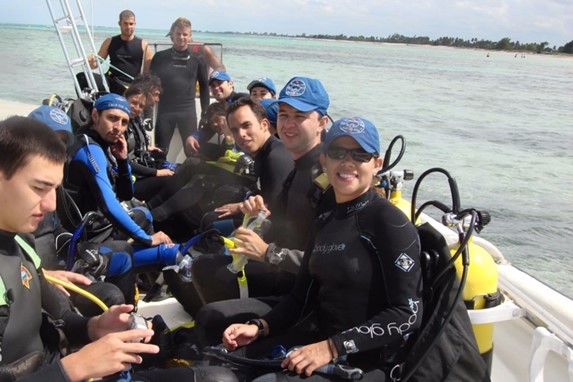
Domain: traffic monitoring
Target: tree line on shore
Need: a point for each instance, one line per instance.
(503, 44)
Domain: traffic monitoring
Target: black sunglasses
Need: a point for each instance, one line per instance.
(339, 153)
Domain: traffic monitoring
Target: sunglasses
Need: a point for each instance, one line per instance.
(339, 153)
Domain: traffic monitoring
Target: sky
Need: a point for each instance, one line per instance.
(520, 20)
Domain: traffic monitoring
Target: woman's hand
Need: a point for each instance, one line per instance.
(164, 172)
(228, 210)
(252, 205)
(307, 359)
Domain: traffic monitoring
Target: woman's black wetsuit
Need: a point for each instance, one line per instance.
(361, 278)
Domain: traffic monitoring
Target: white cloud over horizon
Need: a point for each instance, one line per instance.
(520, 20)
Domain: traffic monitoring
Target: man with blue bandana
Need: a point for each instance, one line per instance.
(98, 174)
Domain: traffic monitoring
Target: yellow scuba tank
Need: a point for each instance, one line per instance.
(480, 292)
(396, 181)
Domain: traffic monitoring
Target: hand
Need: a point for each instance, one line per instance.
(308, 358)
(110, 354)
(250, 244)
(228, 210)
(92, 61)
(119, 148)
(164, 172)
(154, 148)
(238, 335)
(160, 238)
(116, 319)
(192, 146)
(252, 205)
(70, 277)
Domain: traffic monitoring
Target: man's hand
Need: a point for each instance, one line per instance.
(238, 335)
(92, 61)
(164, 172)
(116, 319)
(160, 238)
(192, 146)
(308, 358)
(111, 354)
(70, 277)
(250, 244)
(252, 205)
(228, 210)
(119, 148)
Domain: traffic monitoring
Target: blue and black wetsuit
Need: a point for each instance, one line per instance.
(361, 277)
(97, 180)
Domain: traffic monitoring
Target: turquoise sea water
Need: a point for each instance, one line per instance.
(501, 125)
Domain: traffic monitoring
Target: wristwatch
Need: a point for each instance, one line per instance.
(259, 323)
(275, 254)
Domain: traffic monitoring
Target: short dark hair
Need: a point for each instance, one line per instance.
(148, 81)
(21, 138)
(126, 13)
(255, 107)
(135, 89)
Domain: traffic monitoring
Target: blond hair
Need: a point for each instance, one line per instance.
(181, 22)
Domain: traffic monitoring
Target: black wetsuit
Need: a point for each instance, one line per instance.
(293, 212)
(179, 72)
(126, 56)
(361, 277)
(143, 164)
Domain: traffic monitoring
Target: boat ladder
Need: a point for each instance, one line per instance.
(68, 22)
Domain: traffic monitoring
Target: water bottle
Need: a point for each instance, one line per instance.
(185, 268)
(259, 225)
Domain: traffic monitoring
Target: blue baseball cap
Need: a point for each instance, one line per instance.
(264, 82)
(305, 94)
(272, 108)
(219, 75)
(55, 118)
(112, 101)
(361, 130)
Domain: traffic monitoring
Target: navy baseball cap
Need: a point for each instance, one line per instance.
(264, 82)
(305, 94)
(361, 130)
(112, 101)
(272, 108)
(219, 75)
(55, 118)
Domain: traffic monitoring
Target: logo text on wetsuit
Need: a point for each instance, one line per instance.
(326, 248)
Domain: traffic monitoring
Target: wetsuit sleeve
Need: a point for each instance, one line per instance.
(290, 309)
(202, 78)
(100, 186)
(275, 169)
(123, 183)
(291, 261)
(141, 170)
(394, 240)
(59, 307)
(53, 372)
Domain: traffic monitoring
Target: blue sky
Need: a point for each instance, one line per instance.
(520, 20)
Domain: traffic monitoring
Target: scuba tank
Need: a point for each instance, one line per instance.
(480, 290)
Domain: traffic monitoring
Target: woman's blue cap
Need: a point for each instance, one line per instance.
(112, 101)
(361, 130)
(305, 94)
(55, 118)
(264, 82)
(272, 108)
